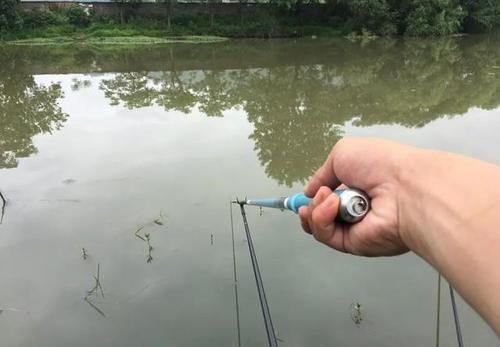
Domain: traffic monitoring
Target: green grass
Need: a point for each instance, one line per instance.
(115, 40)
(142, 31)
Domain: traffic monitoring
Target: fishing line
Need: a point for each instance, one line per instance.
(438, 313)
(235, 277)
(455, 316)
(271, 336)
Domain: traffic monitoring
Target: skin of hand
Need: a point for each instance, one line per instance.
(422, 201)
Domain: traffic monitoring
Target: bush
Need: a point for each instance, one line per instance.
(42, 18)
(485, 13)
(9, 18)
(434, 17)
(372, 15)
(78, 16)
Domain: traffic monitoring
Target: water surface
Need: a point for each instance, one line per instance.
(97, 145)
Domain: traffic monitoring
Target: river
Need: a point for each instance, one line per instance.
(119, 164)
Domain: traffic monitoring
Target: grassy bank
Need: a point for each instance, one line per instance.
(157, 32)
(113, 40)
(74, 25)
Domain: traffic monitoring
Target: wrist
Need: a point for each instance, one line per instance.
(428, 200)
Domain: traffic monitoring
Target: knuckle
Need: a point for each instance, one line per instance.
(317, 236)
(316, 218)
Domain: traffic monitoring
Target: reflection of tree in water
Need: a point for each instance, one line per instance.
(298, 110)
(290, 136)
(173, 90)
(26, 109)
(79, 84)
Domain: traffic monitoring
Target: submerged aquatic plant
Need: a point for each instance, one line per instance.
(146, 237)
(96, 289)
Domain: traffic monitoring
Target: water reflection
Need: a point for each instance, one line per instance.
(297, 95)
(26, 109)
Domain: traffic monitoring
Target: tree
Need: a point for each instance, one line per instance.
(9, 18)
(168, 5)
(125, 8)
(484, 13)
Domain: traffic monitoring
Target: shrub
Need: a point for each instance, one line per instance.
(42, 18)
(485, 13)
(372, 15)
(434, 17)
(78, 16)
(9, 18)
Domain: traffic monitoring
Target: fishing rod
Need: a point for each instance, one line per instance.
(268, 322)
(460, 339)
(353, 206)
(235, 278)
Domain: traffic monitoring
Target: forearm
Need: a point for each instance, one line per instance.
(452, 221)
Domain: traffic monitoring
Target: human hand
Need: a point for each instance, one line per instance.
(373, 166)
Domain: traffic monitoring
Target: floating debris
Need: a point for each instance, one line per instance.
(159, 220)
(356, 313)
(2, 310)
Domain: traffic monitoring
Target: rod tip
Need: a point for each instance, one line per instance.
(239, 202)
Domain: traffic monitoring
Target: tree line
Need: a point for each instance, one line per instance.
(366, 17)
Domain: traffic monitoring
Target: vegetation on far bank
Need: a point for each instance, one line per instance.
(114, 40)
(289, 18)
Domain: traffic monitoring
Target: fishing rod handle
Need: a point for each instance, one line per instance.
(353, 206)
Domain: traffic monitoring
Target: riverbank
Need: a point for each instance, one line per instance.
(114, 40)
(159, 33)
(127, 23)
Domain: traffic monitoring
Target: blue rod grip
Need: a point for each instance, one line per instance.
(294, 202)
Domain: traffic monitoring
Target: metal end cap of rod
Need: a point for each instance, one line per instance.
(354, 205)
